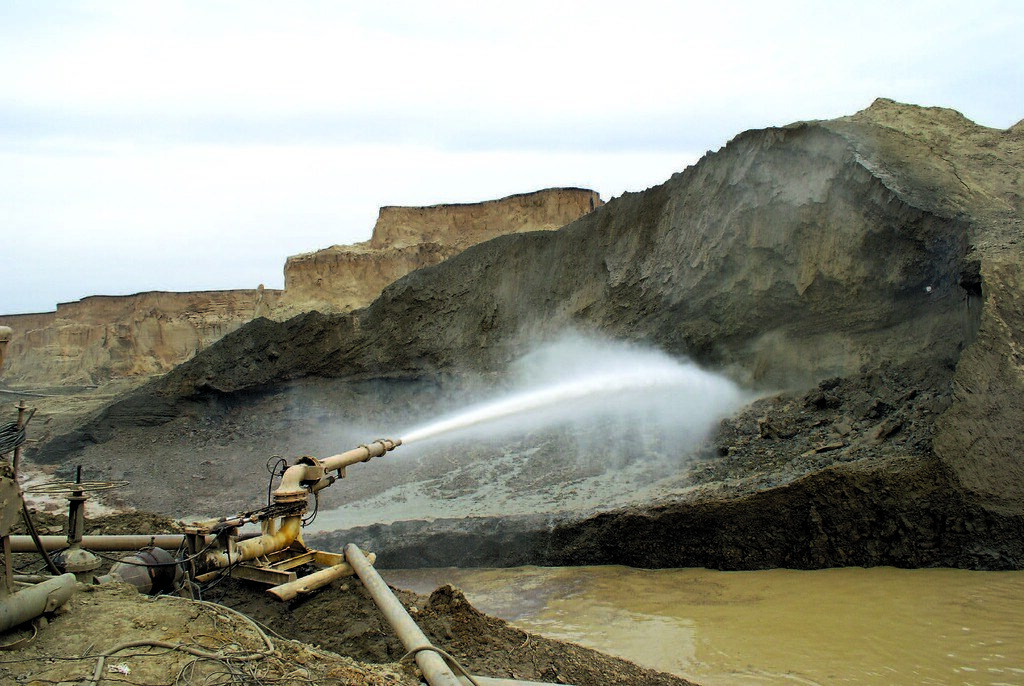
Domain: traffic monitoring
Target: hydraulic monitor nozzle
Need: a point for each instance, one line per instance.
(310, 475)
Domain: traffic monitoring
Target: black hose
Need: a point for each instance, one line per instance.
(30, 525)
(276, 465)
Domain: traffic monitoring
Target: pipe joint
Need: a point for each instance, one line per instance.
(290, 488)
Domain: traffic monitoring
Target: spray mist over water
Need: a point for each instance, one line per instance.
(580, 380)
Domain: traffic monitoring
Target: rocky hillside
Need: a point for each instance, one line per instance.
(348, 277)
(865, 271)
(99, 338)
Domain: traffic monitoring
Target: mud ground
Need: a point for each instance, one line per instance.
(336, 635)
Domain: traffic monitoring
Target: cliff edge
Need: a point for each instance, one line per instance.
(99, 338)
(348, 277)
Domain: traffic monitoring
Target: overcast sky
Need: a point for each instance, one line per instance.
(195, 145)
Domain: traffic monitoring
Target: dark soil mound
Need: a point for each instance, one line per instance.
(346, 621)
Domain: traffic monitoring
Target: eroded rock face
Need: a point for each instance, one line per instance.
(102, 337)
(5, 338)
(344, 278)
(866, 267)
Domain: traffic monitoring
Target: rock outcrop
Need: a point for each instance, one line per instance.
(866, 268)
(92, 340)
(102, 337)
(5, 338)
(347, 277)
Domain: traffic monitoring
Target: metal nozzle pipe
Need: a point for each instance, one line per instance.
(361, 454)
(310, 474)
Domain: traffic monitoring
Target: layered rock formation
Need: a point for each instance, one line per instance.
(102, 337)
(92, 340)
(5, 338)
(348, 277)
(869, 266)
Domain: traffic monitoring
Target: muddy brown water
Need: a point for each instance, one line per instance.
(837, 626)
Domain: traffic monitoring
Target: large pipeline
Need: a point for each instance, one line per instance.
(29, 603)
(25, 544)
(275, 537)
(435, 669)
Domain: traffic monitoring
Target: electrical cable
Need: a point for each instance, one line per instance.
(11, 436)
(220, 656)
(278, 469)
(30, 525)
(175, 563)
(316, 508)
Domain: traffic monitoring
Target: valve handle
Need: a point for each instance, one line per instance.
(72, 486)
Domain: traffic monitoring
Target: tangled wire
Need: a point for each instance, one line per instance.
(233, 664)
(11, 436)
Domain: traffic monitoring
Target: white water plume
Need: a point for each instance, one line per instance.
(578, 379)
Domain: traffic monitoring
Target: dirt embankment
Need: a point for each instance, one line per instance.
(99, 338)
(103, 338)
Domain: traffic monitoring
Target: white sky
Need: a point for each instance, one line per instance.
(195, 145)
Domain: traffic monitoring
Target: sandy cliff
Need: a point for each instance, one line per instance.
(348, 277)
(102, 337)
(92, 340)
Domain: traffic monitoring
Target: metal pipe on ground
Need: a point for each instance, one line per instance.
(29, 603)
(25, 544)
(435, 669)
(491, 681)
(311, 582)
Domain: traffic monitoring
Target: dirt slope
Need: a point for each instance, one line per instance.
(865, 267)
